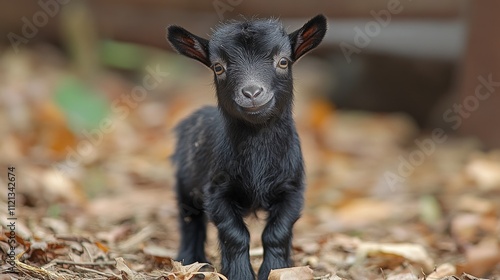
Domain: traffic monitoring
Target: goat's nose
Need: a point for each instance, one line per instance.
(251, 91)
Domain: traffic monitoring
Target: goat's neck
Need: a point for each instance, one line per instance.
(278, 130)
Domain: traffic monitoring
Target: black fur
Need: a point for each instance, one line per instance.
(244, 155)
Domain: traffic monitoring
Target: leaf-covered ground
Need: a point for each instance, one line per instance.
(94, 189)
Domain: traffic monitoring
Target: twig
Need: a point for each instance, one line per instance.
(34, 271)
(136, 239)
(95, 271)
(85, 263)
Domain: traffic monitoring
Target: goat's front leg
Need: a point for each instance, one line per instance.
(277, 235)
(234, 238)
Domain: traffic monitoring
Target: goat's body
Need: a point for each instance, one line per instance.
(254, 167)
(244, 161)
(245, 154)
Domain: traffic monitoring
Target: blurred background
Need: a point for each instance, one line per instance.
(397, 111)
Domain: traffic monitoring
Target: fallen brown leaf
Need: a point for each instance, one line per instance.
(481, 258)
(446, 269)
(414, 253)
(292, 273)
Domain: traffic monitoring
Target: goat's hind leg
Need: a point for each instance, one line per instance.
(193, 225)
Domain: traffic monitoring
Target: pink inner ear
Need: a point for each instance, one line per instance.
(195, 54)
(193, 49)
(188, 41)
(306, 36)
(309, 32)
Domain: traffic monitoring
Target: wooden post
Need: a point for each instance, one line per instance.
(479, 99)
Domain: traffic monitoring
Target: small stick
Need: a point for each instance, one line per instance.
(95, 271)
(85, 263)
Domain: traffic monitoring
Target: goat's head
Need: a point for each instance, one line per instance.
(251, 61)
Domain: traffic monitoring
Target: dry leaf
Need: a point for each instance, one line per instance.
(404, 276)
(137, 239)
(158, 251)
(485, 172)
(412, 252)
(446, 269)
(481, 258)
(292, 273)
(465, 227)
(60, 188)
(124, 269)
(363, 211)
(466, 276)
(101, 246)
(476, 204)
(54, 133)
(319, 113)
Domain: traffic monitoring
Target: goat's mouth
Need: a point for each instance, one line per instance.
(257, 109)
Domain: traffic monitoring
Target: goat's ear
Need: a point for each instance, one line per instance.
(188, 44)
(308, 36)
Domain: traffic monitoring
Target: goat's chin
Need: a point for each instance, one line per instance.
(258, 114)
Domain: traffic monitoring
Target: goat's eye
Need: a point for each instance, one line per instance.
(219, 69)
(283, 63)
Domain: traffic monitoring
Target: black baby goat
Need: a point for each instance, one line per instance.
(245, 154)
